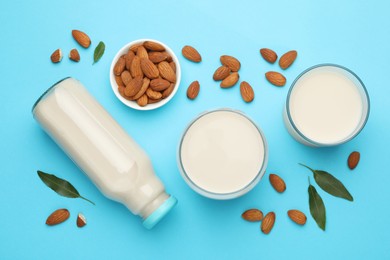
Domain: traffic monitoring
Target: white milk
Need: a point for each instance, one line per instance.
(327, 105)
(102, 149)
(222, 154)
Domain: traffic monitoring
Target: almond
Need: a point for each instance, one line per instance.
(353, 160)
(190, 53)
(166, 93)
(157, 56)
(57, 217)
(120, 66)
(166, 71)
(275, 78)
(121, 90)
(252, 215)
(287, 59)
(134, 47)
(230, 62)
(134, 86)
(152, 101)
(129, 59)
(159, 84)
(82, 38)
(268, 222)
(126, 77)
(74, 55)
(153, 94)
(221, 73)
(193, 90)
(246, 91)
(153, 46)
(118, 80)
(81, 220)
(135, 67)
(149, 69)
(230, 80)
(56, 56)
(143, 100)
(173, 66)
(269, 55)
(142, 53)
(169, 57)
(277, 182)
(297, 216)
(145, 86)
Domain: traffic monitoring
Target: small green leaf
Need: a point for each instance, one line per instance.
(60, 186)
(317, 207)
(99, 51)
(330, 184)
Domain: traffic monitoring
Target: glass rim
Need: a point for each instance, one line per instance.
(228, 195)
(363, 87)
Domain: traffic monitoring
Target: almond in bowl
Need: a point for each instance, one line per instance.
(145, 74)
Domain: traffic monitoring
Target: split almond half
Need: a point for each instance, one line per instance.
(56, 56)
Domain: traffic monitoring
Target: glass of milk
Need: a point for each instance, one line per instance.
(327, 105)
(222, 154)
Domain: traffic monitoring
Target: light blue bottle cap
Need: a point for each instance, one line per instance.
(159, 213)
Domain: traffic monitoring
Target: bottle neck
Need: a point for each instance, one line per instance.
(153, 205)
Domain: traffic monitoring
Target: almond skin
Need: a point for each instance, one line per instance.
(126, 77)
(297, 216)
(230, 80)
(143, 100)
(269, 55)
(153, 46)
(56, 56)
(277, 182)
(230, 62)
(268, 222)
(57, 217)
(221, 73)
(82, 38)
(353, 160)
(166, 71)
(153, 94)
(157, 56)
(287, 59)
(149, 69)
(159, 84)
(135, 68)
(252, 215)
(120, 66)
(74, 55)
(190, 53)
(129, 58)
(275, 78)
(193, 90)
(134, 86)
(142, 53)
(246, 91)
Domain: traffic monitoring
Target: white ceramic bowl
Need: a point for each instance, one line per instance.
(133, 104)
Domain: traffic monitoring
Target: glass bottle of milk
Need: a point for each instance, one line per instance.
(102, 149)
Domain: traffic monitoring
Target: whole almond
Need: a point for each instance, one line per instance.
(57, 217)
(353, 160)
(275, 78)
(193, 90)
(82, 38)
(269, 55)
(143, 100)
(166, 93)
(74, 55)
(230, 80)
(153, 46)
(142, 53)
(56, 56)
(134, 86)
(169, 57)
(81, 220)
(152, 101)
(159, 84)
(153, 94)
(129, 59)
(246, 91)
(120, 66)
(126, 77)
(145, 86)
(121, 90)
(252, 215)
(118, 80)
(277, 182)
(297, 216)
(157, 56)
(221, 73)
(173, 66)
(149, 69)
(190, 53)
(134, 47)
(287, 59)
(166, 71)
(268, 222)
(135, 67)
(230, 62)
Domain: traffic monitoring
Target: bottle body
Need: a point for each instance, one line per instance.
(100, 147)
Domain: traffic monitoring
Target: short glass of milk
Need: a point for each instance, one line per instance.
(222, 154)
(327, 105)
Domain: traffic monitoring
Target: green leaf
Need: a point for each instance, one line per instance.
(330, 184)
(317, 207)
(99, 51)
(60, 186)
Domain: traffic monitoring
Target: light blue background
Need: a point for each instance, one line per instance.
(354, 34)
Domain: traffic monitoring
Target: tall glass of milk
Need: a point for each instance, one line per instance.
(102, 149)
(327, 105)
